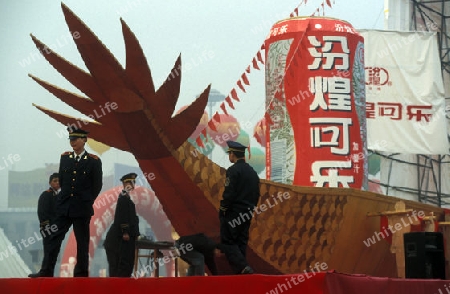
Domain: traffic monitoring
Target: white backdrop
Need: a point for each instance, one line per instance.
(403, 76)
(404, 93)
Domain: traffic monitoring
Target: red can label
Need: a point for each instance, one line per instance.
(316, 101)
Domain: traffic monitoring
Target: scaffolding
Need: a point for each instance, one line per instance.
(434, 15)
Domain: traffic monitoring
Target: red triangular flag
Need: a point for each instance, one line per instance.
(248, 69)
(328, 3)
(234, 95)
(259, 56)
(263, 46)
(223, 108)
(268, 119)
(199, 142)
(228, 99)
(212, 125)
(217, 117)
(296, 11)
(255, 63)
(245, 79)
(239, 83)
(204, 132)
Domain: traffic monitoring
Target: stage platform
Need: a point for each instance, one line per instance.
(306, 283)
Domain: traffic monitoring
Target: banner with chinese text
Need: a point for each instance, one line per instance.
(405, 103)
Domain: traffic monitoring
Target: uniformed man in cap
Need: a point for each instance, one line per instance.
(46, 211)
(239, 198)
(121, 238)
(80, 177)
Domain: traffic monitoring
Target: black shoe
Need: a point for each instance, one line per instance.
(39, 274)
(247, 270)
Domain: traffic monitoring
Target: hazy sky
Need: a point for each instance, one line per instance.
(216, 39)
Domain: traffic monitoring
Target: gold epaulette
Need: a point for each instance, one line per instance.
(93, 156)
(66, 153)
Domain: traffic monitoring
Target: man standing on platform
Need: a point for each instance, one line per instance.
(120, 241)
(81, 181)
(46, 211)
(239, 198)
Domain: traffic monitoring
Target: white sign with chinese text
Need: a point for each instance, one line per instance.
(405, 103)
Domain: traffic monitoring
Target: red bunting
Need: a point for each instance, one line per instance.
(255, 63)
(216, 117)
(269, 121)
(239, 83)
(223, 108)
(199, 142)
(212, 125)
(259, 56)
(234, 95)
(245, 79)
(230, 103)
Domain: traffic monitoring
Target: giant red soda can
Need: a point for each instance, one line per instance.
(315, 98)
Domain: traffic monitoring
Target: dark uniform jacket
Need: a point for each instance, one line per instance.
(125, 220)
(241, 187)
(80, 184)
(46, 209)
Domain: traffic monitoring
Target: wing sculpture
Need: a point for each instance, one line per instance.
(292, 233)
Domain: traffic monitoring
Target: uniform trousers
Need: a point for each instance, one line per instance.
(234, 234)
(121, 257)
(82, 236)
